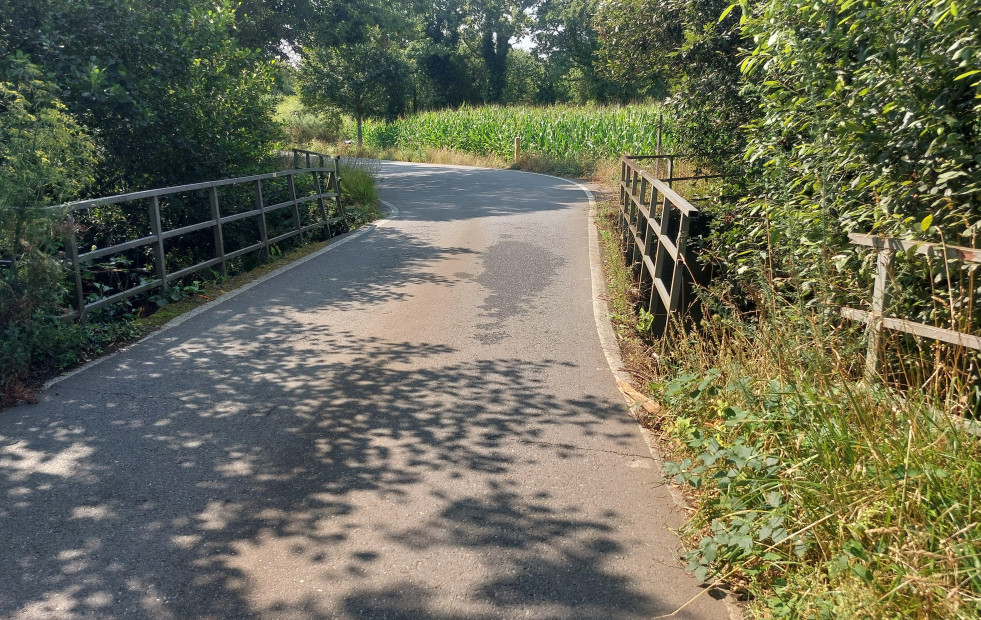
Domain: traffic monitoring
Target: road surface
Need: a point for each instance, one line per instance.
(416, 423)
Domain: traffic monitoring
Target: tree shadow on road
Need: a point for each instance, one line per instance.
(250, 461)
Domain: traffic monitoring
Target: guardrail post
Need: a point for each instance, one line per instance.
(337, 185)
(296, 206)
(160, 257)
(263, 233)
(79, 300)
(880, 298)
(219, 235)
(320, 199)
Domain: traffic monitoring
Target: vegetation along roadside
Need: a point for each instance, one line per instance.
(817, 491)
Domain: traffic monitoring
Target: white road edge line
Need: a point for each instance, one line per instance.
(187, 316)
(611, 350)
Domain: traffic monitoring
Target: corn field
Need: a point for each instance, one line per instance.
(554, 131)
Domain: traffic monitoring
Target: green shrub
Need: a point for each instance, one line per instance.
(304, 126)
(358, 182)
(45, 157)
(822, 497)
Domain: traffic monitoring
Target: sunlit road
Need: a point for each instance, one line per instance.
(416, 423)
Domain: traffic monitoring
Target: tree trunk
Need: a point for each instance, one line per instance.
(360, 133)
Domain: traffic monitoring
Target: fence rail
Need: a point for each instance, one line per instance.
(886, 248)
(323, 183)
(655, 225)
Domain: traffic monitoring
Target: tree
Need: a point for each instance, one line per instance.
(366, 79)
(567, 39)
(682, 48)
(441, 56)
(164, 85)
(46, 157)
(495, 23)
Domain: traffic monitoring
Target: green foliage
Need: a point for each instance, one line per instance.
(683, 49)
(567, 38)
(164, 86)
(45, 157)
(303, 126)
(523, 78)
(366, 79)
(868, 123)
(358, 178)
(825, 498)
(557, 131)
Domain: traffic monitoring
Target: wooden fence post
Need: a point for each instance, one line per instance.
(880, 298)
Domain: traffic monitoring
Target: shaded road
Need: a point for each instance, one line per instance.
(416, 423)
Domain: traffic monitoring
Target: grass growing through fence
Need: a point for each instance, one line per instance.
(814, 494)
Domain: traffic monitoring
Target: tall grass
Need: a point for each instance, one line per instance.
(561, 131)
(358, 190)
(816, 495)
(304, 126)
(826, 497)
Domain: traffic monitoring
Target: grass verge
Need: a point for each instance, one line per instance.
(814, 495)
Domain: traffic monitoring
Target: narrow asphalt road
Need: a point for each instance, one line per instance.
(416, 423)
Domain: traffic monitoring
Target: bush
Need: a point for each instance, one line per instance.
(45, 157)
(304, 126)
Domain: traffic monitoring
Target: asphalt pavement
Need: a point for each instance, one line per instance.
(418, 422)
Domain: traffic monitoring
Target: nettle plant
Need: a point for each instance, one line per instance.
(746, 508)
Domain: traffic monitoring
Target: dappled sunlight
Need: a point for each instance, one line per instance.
(346, 440)
(318, 461)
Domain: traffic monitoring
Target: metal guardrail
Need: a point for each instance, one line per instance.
(323, 185)
(655, 223)
(886, 248)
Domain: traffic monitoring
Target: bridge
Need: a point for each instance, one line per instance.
(418, 421)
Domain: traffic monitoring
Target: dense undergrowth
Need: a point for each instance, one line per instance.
(816, 494)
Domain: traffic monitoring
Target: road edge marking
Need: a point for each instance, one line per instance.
(611, 350)
(190, 314)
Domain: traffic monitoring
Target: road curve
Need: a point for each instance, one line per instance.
(416, 423)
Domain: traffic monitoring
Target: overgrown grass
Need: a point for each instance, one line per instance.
(815, 494)
(304, 126)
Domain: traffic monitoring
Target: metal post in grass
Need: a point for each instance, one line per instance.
(217, 231)
(260, 207)
(159, 255)
(660, 126)
(76, 268)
